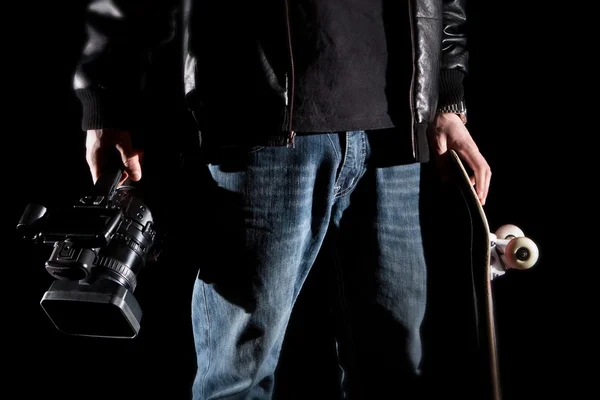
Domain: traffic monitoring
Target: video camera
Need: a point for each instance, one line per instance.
(99, 247)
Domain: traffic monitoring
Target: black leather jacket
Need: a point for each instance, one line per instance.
(238, 64)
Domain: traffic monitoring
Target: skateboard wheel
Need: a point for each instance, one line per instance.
(509, 231)
(521, 253)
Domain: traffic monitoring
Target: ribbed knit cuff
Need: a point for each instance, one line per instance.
(101, 110)
(451, 88)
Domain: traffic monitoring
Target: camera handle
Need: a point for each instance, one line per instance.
(107, 182)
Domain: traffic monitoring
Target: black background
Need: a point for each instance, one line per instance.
(44, 157)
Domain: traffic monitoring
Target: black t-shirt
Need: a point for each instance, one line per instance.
(346, 72)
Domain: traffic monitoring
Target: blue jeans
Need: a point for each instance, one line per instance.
(271, 210)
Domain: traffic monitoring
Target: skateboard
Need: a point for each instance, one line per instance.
(491, 255)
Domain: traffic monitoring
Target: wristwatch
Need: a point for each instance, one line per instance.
(455, 108)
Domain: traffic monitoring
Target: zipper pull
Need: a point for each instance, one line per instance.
(291, 142)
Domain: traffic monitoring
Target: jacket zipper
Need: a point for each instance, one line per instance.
(412, 79)
(291, 134)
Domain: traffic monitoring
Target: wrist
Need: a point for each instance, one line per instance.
(455, 108)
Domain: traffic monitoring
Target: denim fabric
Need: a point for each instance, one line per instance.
(271, 210)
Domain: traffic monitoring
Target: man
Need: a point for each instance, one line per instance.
(315, 118)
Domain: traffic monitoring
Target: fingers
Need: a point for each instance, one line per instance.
(482, 174)
(112, 148)
(132, 161)
(449, 132)
(482, 186)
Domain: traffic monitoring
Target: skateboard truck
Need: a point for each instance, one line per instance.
(511, 249)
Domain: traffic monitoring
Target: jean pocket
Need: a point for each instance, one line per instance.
(254, 149)
(233, 153)
(239, 148)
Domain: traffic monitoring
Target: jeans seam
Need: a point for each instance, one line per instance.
(207, 337)
(363, 149)
(335, 150)
(343, 161)
(350, 188)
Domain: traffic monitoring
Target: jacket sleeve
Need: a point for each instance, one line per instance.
(122, 37)
(454, 63)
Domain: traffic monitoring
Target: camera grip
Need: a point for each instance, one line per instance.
(108, 181)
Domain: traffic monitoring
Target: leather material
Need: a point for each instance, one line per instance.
(237, 64)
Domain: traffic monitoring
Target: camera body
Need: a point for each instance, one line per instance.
(99, 247)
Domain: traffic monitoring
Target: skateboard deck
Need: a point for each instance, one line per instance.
(491, 254)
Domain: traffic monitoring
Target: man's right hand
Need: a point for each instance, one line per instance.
(100, 147)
